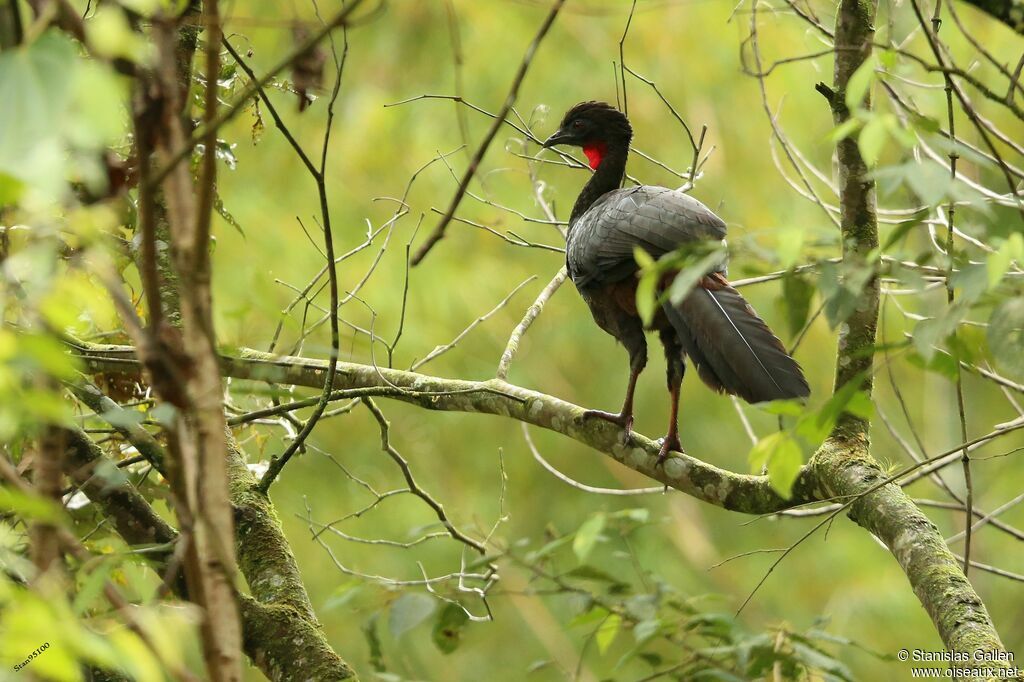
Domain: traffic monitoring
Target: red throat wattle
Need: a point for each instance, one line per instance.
(595, 152)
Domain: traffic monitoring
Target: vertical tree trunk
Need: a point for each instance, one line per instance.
(854, 34)
(844, 463)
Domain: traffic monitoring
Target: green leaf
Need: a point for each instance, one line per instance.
(872, 138)
(841, 286)
(587, 535)
(647, 296)
(164, 413)
(860, 82)
(643, 259)
(35, 87)
(930, 333)
(899, 232)
(111, 474)
(818, 660)
(10, 189)
(408, 611)
(925, 124)
(788, 244)
(686, 279)
(646, 629)
(30, 506)
(844, 130)
(92, 586)
(998, 263)
(635, 514)
(122, 417)
(448, 627)
(783, 456)
(587, 572)
(815, 426)
(372, 637)
(797, 294)
(607, 632)
(942, 364)
(970, 281)
(588, 617)
(549, 548)
(110, 35)
(785, 408)
(1006, 335)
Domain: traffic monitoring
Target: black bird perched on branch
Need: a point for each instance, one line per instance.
(732, 349)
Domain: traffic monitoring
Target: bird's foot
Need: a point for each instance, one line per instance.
(669, 444)
(625, 421)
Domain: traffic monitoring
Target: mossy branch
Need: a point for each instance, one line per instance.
(280, 631)
(737, 492)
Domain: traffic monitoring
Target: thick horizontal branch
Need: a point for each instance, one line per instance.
(736, 492)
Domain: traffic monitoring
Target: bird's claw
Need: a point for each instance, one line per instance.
(624, 421)
(668, 446)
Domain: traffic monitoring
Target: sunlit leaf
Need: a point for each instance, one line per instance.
(607, 632)
(588, 617)
(782, 456)
(860, 82)
(587, 535)
(845, 130)
(647, 296)
(110, 35)
(998, 263)
(872, 139)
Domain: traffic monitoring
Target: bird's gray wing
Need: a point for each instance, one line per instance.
(657, 219)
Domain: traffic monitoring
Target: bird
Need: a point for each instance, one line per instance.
(731, 348)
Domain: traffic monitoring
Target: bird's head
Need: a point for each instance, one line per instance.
(597, 127)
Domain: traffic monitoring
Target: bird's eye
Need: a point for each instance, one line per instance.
(577, 124)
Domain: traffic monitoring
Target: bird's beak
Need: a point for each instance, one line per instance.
(560, 137)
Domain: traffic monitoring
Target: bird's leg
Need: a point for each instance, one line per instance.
(637, 362)
(675, 369)
(625, 417)
(671, 441)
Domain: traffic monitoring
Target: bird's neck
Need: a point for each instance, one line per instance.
(609, 163)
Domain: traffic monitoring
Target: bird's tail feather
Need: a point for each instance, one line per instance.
(732, 348)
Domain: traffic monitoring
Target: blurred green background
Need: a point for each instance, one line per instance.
(691, 50)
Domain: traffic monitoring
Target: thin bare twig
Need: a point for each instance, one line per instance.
(512, 347)
(474, 163)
